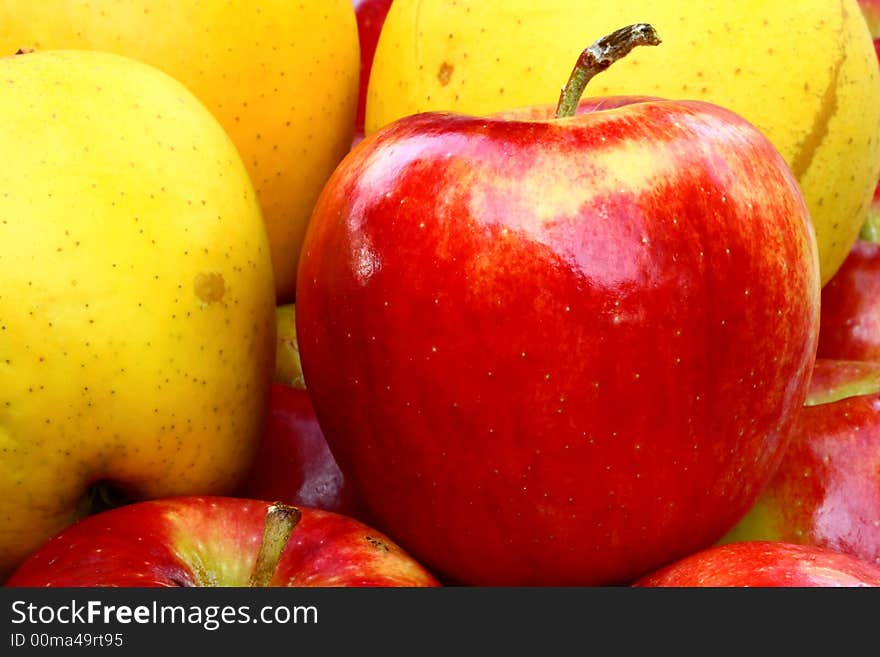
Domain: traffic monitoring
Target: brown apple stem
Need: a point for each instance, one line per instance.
(280, 521)
(599, 57)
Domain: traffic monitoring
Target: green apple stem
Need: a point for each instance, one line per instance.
(280, 521)
(600, 56)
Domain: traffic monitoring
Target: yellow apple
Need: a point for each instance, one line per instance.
(282, 78)
(803, 72)
(288, 368)
(137, 325)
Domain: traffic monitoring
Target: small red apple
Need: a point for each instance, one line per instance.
(559, 351)
(293, 463)
(219, 541)
(370, 18)
(765, 564)
(849, 328)
(826, 492)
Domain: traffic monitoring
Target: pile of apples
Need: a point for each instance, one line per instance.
(336, 293)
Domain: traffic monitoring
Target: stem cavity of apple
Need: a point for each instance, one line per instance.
(598, 57)
(101, 496)
(280, 522)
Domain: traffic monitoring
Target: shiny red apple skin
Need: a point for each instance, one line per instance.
(370, 19)
(765, 564)
(213, 541)
(850, 319)
(293, 463)
(559, 352)
(826, 491)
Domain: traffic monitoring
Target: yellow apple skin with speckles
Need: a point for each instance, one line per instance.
(804, 73)
(281, 77)
(137, 318)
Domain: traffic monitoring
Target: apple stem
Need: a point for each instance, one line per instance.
(597, 58)
(280, 521)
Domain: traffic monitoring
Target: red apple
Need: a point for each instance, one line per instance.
(370, 18)
(850, 319)
(293, 464)
(764, 564)
(559, 351)
(827, 489)
(219, 541)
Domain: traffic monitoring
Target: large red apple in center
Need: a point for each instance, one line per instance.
(559, 351)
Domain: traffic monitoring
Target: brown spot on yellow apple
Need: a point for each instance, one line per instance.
(209, 286)
(444, 74)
